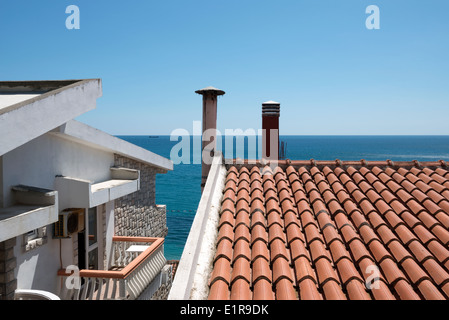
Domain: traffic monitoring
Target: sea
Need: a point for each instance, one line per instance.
(180, 189)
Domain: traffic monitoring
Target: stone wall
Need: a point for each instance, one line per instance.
(8, 282)
(137, 215)
(162, 292)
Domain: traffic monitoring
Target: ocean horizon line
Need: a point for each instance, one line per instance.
(298, 135)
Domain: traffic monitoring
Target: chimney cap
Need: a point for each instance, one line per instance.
(210, 89)
(271, 108)
(271, 103)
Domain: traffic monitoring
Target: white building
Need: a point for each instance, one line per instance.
(71, 195)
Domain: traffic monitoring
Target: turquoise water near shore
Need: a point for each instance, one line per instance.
(180, 189)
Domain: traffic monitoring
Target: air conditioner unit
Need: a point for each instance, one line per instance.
(70, 221)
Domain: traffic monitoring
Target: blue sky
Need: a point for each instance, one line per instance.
(329, 72)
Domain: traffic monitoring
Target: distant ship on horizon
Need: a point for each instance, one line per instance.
(152, 137)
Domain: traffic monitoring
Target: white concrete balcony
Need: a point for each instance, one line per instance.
(136, 272)
(32, 208)
(79, 193)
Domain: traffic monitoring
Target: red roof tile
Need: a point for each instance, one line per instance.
(315, 230)
(261, 270)
(262, 290)
(219, 290)
(240, 290)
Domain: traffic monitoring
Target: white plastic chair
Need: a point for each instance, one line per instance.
(28, 294)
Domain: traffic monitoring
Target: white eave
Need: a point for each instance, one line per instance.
(84, 134)
(33, 208)
(80, 193)
(29, 109)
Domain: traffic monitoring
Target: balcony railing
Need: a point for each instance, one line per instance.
(136, 263)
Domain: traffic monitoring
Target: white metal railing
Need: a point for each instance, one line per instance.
(133, 270)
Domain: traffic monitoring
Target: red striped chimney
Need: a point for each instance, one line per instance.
(210, 95)
(270, 130)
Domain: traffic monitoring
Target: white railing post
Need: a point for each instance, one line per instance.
(122, 288)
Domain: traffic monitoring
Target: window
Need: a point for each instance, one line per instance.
(93, 226)
(93, 246)
(93, 259)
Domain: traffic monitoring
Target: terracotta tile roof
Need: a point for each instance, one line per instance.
(320, 230)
